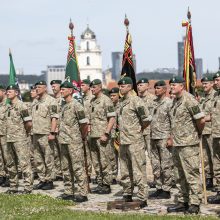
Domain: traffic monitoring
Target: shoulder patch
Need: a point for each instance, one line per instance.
(54, 109)
(195, 110)
(24, 113)
(141, 111)
(111, 109)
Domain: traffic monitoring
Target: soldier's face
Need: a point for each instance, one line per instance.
(176, 88)
(65, 92)
(2, 94)
(11, 94)
(142, 87)
(114, 97)
(96, 89)
(56, 88)
(33, 93)
(160, 90)
(217, 82)
(85, 87)
(124, 89)
(41, 89)
(207, 86)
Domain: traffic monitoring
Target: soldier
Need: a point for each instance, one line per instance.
(102, 119)
(18, 124)
(45, 115)
(3, 143)
(114, 95)
(187, 123)
(215, 120)
(87, 97)
(206, 106)
(133, 119)
(55, 85)
(160, 133)
(73, 130)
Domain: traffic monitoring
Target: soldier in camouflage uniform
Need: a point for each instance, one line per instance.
(187, 123)
(206, 106)
(45, 115)
(87, 97)
(133, 119)
(55, 85)
(114, 95)
(73, 130)
(18, 124)
(3, 143)
(102, 119)
(160, 132)
(215, 120)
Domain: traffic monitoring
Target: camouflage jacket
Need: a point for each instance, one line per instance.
(44, 110)
(116, 107)
(206, 107)
(101, 109)
(132, 113)
(160, 125)
(17, 114)
(216, 115)
(3, 109)
(184, 113)
(86, 102)
(72, 115)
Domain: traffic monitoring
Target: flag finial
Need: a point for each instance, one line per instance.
(126, 22)
(9, 51)
(71, 27)
(189, 14)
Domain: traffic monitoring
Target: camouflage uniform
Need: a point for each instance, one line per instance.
(132, 146)
(45, 109)
(185, 110)
(70, 139)
(160, 155)
(3, 143)
(101, 110)
(17, 151)
(216, 137)
(206, 106)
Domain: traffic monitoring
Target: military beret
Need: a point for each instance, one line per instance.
(42, 82)
(105, 91)
(33, 87)
(125, 80)
(160, 83)
(95, 82)
(177, 79)
(67, 84)
(2, 87)
(55, 81)
(86, 81)
(114, 90)
(216, 75)
(142, 80)
(207, 79)
(12, 87)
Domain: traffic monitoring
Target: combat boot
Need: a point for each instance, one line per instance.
(39, 185)
(66, 197)
(105, 189)
(193, 209)
(6, 183)
(143, 204)
(80, 198)
(164, 195)
(209, 183)
(96, 189)
(2, 180)
(214, 199)
(180, 207)
(155, 194)
(127, 198)
(48, 186)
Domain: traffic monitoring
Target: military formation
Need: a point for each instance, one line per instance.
(56, 137)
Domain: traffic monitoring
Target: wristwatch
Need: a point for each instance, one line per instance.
(107, 134)
(53, 133)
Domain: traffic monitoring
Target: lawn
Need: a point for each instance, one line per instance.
(45, 207)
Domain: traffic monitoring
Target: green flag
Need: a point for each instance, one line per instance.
(12, 73)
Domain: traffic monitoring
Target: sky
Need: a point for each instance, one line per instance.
(37, 31)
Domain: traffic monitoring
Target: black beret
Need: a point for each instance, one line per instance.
(12, 87)
(125, 80)
(42, 82)
(114, 90)
(216, 75)
(67, 84)
(177, 79)
(95, 82)
(86, 81)
(143, 80)
(55, 81)
(207, 79)
(159, 83)
(2, 87)
(33, 87)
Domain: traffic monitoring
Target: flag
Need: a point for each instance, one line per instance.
(12, 73)
(127, 62)
(189, 68)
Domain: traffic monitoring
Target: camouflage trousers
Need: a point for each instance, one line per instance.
(57, 159)
(162, 164)
(216, 161)
(3, 146)
(88, 156)
(207, 142)
(44, 157)
(114, 159)
(17, 153)
(133, 168)
(72, 160)
(101, 161)
(147, 141)
(186, 169)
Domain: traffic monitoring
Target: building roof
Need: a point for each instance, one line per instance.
(88, 31)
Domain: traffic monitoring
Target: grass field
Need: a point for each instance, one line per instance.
(45, 207)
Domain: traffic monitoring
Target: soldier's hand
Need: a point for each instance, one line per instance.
(169, 142)
(103, 138)
(51, 137)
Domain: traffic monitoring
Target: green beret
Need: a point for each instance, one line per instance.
(86, 81)
(67, 84)
(2, 87)
(143, 80)
(55, 81)
(207, 79)
(105, 91)
(177, 79)
(42, 82)
(216, 75)
(160, 83)
(114, 90)
(33, 87)
(125, 80)
(12, 87)
(95, 82)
